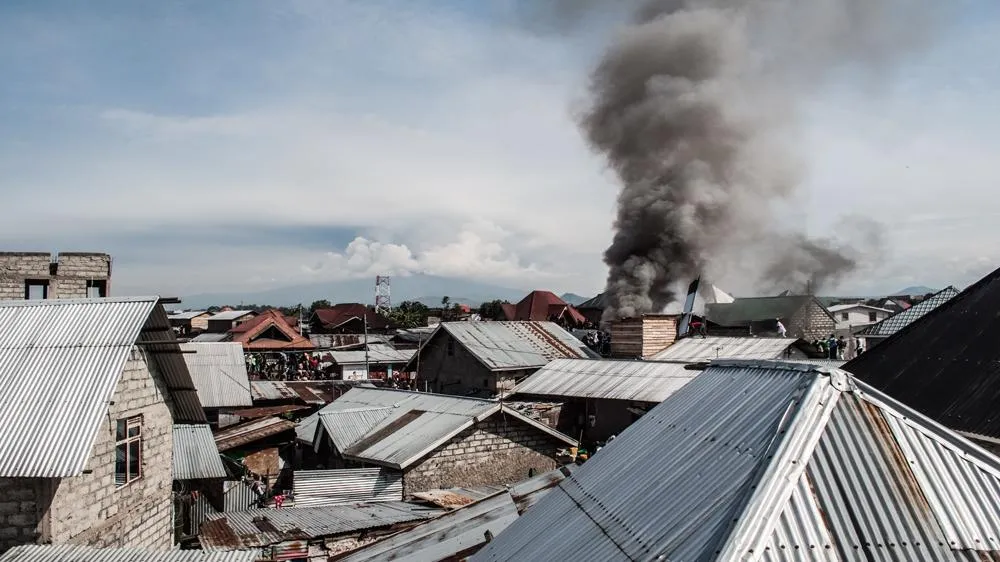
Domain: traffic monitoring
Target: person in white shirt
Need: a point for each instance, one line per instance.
(781, 328)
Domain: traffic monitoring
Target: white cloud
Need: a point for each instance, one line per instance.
(478, 251)
(446, 144)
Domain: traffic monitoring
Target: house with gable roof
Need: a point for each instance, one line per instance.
(435, 441)
(542, 306)
(269, 331)
(770, 461)
(488, 358)
(100, 416)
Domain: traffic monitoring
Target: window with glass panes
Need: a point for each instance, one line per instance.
(128, 450)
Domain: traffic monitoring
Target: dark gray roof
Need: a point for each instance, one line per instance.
(598, 302)
(947, 363)
(898, 321)
(746, 310)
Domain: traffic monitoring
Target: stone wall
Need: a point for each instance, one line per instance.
(67, 274)
(499, 450)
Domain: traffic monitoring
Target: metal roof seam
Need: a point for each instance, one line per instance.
(799, 438)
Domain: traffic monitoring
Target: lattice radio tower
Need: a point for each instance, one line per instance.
(383, 299)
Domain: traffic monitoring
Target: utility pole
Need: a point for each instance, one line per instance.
(367, 372)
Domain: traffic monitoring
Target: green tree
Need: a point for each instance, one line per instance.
(409, 314)
(316, 305)
(444, 307)
(493, 310)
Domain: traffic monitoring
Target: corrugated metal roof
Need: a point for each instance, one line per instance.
(309, 392)
(769, 461)
(947, 363)
(60, 361)
(333, 341)
(346, 427)
(230, 315)
(459, 532)
(245, 529)
(68, 553)
(516, 345)
(331, 487)
(642, 381)
(415, 423)
(376, 354)
(843, 307)
(239, 435)
(189, 315)
(209, 337)
(219, 372)
(195, 455)
(167, 360)
(716, 347)
(898, 321)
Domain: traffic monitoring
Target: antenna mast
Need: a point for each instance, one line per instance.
(383, 298)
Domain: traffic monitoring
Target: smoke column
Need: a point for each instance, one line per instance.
(694, 107)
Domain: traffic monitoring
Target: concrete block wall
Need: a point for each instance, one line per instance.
(67, 273)
(89, 509)
(20, 511)
(500, 450)
(75, 269)
(16, 267)
(811, 322)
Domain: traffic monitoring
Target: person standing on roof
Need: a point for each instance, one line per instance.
(781, 328)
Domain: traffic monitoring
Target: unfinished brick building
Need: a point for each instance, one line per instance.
(67, 275)
(94, 390)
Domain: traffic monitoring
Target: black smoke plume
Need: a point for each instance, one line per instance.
(694, 106)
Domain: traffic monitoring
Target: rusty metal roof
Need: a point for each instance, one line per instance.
(771, 461)
(308, 392)
(263, 411)
(195, 455)
(70, 553)
(239, 435)
(256, 528)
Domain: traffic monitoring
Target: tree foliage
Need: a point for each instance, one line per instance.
(316, 305)
(492, 310)
(409, 314)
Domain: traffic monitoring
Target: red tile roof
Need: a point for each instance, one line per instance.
(540, 306)
(333, 317)
(250, 333)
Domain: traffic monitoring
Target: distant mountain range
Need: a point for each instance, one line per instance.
(917, 290)
(573, 298)
(428, 289)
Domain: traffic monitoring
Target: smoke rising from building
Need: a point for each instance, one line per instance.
(694, 107)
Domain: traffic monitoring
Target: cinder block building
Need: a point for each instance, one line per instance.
(803, 316)
(487, 358)
(91, 390)
(435, 441)
(67, 275)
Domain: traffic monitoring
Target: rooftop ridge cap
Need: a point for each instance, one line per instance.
(794, 443)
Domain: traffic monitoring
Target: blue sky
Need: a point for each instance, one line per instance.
(225, 145)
